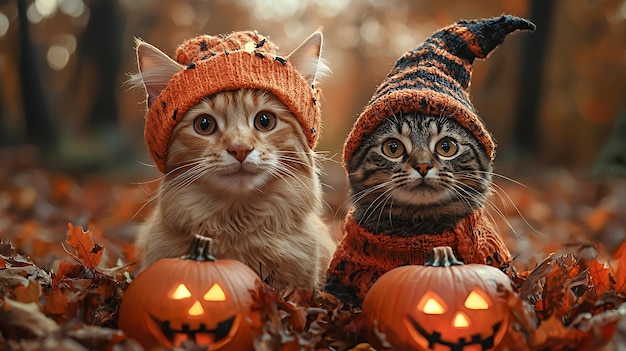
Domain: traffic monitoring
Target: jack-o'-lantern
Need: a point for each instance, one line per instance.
(194, 297)
(443, 306)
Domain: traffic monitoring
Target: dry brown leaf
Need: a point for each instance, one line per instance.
(25, 320)
(363, 347)
(29, 293)
(86, 251)
(12, 277)
(56, 304)
(599, 277)
(551, 329)
(618, 268)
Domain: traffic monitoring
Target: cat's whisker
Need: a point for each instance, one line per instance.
(491, 204)
(501, 176)
(179, 182)
(499, 191)
(293, 172)
(317, 155)
(161, 190)
(281, 173)
(288, 159)
(466, 196)
(357, 197)
(286, 162)
(151, 165)
(367, 213)
(288, 171)
(146, 203)
(380, 213)
(182, 176)
(188, 163)
(376, 202)
(183, 179)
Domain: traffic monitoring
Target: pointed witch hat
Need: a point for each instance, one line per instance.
(434, 79)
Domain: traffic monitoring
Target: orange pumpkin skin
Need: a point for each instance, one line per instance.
(417, 308)
(169, 303)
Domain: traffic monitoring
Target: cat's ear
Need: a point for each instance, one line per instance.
(155, 70)
(307, 58)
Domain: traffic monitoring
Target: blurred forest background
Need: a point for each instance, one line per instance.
(554, 99)
(550, 98)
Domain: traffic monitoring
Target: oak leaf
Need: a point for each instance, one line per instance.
(86, 251)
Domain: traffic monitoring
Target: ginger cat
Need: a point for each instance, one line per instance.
(241, 171)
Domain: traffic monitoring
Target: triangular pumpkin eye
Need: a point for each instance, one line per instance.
(196, 309)
(181, 292)
(432, 304)
(215, 293)
(477, 300)
(460, 321)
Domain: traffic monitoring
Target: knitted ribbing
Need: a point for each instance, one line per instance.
(362, 257)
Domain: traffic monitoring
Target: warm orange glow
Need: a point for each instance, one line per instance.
(476, 300)
(460, 320)
(215, 293)
(196, 309)
(181, 292)
(431, 304)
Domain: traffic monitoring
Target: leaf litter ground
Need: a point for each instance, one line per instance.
(66, 258)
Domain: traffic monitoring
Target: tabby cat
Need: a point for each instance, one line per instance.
(240, 170)
(419, 161)
(418, 174)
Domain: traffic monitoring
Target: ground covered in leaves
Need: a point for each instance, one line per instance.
(66, 259)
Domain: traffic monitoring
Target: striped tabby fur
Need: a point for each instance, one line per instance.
(392, 197)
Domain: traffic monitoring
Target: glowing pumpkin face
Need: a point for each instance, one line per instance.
(439, 308)
(192, 298)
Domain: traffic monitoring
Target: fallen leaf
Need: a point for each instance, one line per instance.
(25, 320)
(599, 277)
(552, 329)
(29, 293)
(56, 304)
(87, 252)
(618, 268)
(363, 347)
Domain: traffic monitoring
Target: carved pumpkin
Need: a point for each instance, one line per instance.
(443, 305)
(194, 297)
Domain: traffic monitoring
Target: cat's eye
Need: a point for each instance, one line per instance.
(393, 148)
(447, 147)
(205, 124)
(264, 121)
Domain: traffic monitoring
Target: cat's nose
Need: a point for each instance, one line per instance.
(422, 168)
(240, 152)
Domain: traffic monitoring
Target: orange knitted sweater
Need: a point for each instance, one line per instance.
(362, 257)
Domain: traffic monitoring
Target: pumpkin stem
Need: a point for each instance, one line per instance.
(442, 256)
(199, 249)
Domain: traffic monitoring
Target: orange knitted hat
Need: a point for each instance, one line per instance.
(434, 79)
(237, 61)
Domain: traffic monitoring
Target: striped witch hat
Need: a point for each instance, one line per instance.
(434, 79)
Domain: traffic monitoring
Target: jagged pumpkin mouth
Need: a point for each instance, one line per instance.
(201, 336)
(434, 338)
